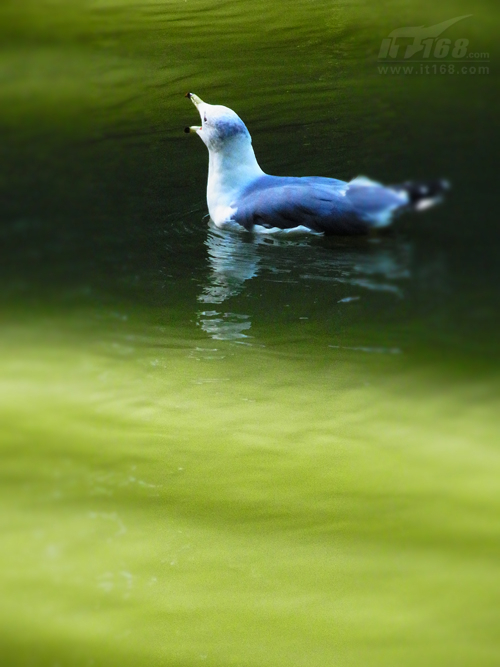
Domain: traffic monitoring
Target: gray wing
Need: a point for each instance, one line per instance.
(320, 204)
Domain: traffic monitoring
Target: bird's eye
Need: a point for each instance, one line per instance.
(205, 117)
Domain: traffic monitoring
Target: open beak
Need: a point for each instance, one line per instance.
(196, 101)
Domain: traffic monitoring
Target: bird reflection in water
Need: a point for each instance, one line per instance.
(344, 271)
(233, 259)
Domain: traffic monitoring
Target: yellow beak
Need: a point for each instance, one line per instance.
(194, 99)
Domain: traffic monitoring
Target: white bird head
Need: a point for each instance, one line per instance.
(232, 165)
(220, 128)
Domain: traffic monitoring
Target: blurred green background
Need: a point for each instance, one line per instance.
(223, 450)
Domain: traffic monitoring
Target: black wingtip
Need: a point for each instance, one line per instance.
(187, 130)
(188, 95)
(423, 190)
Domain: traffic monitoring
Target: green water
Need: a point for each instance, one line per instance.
(222, 450)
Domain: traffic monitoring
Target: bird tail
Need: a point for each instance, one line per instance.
(423, 194)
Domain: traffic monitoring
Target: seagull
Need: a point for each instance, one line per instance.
(241, 196)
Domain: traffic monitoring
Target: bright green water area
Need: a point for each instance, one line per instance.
(227, 450)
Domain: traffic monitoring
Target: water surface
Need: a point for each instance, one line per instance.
(228, 450)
